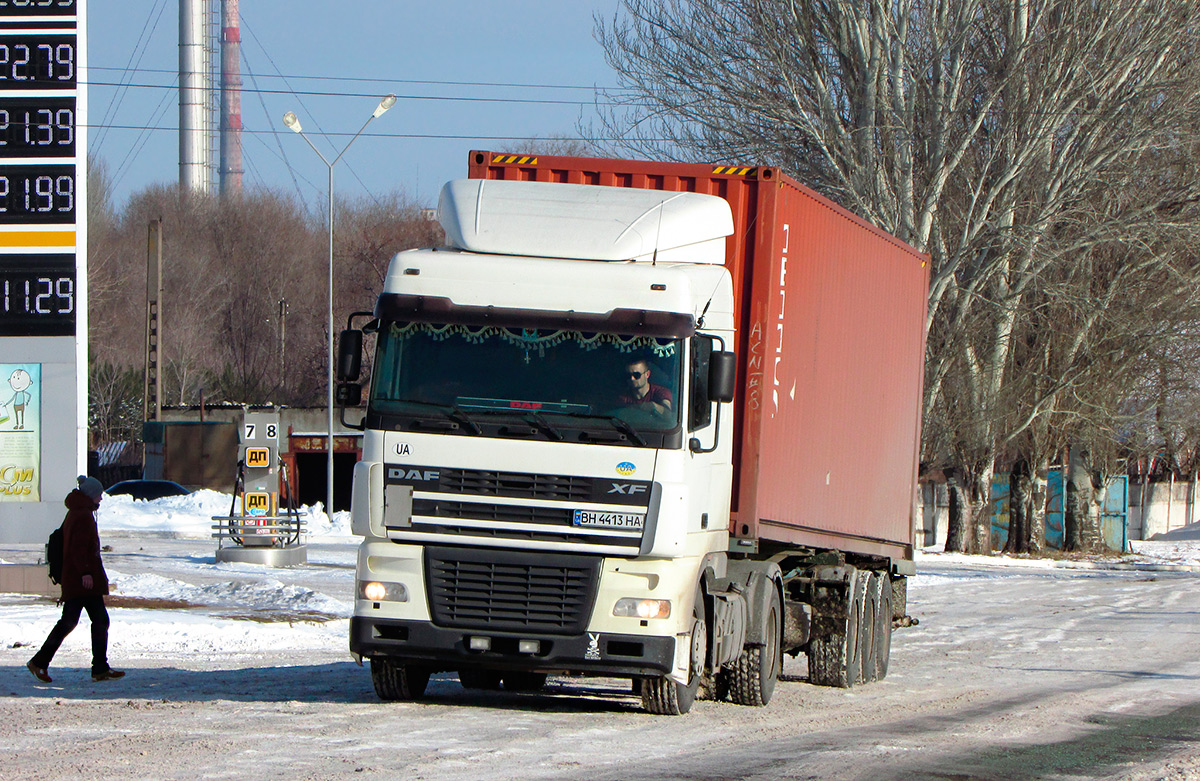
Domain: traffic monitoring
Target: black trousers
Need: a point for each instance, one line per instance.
(94, 605)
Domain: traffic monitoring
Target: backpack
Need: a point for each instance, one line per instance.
(54, 555)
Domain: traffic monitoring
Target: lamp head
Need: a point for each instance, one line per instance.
(290, 122)
(385, 104)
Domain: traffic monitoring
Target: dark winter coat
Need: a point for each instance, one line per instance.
(81, 548)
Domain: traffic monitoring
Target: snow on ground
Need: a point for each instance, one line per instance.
(176, 598)
(239, 670)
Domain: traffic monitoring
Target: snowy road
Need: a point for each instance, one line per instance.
(239, 671)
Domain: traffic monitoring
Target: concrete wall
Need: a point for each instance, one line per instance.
(933, 515)
(1167, 508)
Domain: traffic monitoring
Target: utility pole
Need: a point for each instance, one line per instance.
(152, 387)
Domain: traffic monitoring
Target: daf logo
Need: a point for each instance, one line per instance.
(414, 474)
(627, 489)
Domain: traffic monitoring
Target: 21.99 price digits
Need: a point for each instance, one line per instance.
(37, 194)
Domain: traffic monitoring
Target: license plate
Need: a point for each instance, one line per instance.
(598, 520)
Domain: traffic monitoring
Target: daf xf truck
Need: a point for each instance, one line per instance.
(637, 420)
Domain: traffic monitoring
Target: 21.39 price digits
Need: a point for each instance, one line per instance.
(37, 194)
(37, 127)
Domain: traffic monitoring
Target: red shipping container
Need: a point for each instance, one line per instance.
(831, 345)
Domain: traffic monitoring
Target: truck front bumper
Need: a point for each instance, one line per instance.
(594, 653)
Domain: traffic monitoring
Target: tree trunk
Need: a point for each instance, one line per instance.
(959, 514)
(1077, 504)
(1038, 496)
(981, 494)
(1018, 508)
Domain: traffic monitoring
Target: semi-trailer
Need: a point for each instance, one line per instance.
(647, 420)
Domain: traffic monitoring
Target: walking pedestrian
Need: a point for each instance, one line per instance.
(84, 583)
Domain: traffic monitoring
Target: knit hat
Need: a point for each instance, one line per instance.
(90, 486)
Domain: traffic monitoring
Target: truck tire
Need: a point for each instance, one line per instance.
(899, 598)
(476, 678)
(396, 681)
(834, 653)
(663, 696)
(524, 681)
(755, 672)
(883, 625)
(868, 626)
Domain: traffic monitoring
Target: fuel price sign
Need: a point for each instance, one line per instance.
(43, 265)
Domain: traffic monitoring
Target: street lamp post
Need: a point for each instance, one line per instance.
(292, 123)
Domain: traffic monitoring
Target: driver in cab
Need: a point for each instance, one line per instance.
(643, 394)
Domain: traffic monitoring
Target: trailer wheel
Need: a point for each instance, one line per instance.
(899, 598)
(475, 678)
(752, 680)
(665, 697)
(395, 681)
(883, 626)
(834, 653)
(868, 626)
(524, 681)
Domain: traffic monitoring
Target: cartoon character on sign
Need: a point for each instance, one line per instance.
(19, 381)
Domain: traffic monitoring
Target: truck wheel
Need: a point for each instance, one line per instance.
(524, 682)
(869, 622)
(834, 654)
(756, 670)
(883, 626)
(395, 681)
(665, 697)
(475, 678)
(899, 598)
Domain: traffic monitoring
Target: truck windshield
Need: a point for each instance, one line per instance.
(480, 372)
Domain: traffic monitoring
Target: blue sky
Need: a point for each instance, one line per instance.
(444, 60)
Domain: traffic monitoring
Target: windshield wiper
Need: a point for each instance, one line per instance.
(452, 412)
(462, 419)
(626, 429)
(537, 420)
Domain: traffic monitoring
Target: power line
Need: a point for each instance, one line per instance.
(274, 133)
(139, 49)
(271, 60)
(425, 136)
(143, 137)
(448, 98)
(416, 82)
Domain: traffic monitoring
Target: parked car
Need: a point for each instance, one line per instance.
(147, 489)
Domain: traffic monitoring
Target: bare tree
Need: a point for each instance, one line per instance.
(980, 132)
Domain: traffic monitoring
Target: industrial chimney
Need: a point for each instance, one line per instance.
(195, 118)
(231, 100)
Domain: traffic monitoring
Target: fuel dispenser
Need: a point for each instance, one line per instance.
(262, 527)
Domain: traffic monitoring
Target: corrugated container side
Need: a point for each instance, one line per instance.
(830, 317)
(837, 326)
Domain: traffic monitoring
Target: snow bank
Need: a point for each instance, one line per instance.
(258, 594)
(191, 515)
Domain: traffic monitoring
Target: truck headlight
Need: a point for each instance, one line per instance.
(631, 607)
(374, 591)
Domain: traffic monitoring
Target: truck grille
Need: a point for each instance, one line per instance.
(520, 510)
(491, 512)
(479, 482)
(510, 591)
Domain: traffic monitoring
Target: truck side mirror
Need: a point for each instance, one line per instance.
(349, 394)
(722, 376)
(349, 362)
